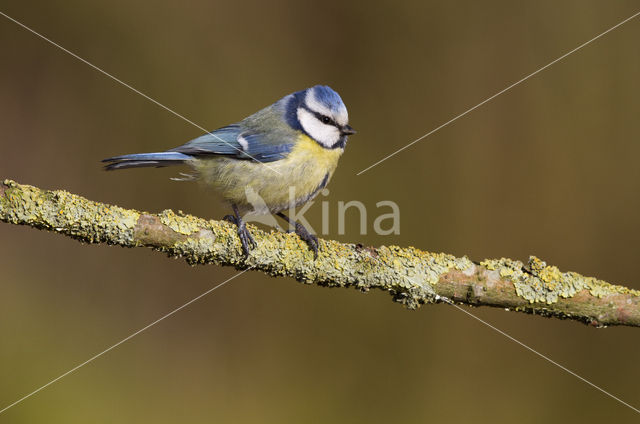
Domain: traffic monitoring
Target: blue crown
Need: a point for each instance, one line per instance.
(328, 97)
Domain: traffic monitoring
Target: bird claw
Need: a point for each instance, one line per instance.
(246, 239)
(307, 237)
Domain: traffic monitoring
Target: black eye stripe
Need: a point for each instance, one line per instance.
(322, 118)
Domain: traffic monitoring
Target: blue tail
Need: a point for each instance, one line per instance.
(144, 160)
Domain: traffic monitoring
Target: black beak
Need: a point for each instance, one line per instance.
(347, 130)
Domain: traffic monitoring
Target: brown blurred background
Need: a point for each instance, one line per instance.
(549, 168)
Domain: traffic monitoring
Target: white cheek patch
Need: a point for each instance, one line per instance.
(327, 135)
(341, 117)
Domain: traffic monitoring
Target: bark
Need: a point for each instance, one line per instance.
(412, 277)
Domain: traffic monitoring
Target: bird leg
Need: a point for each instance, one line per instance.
(306, 236)
(246, 239)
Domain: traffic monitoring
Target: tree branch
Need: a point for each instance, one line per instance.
(411, 276)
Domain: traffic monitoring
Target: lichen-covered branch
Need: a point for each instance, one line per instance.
(411, 276)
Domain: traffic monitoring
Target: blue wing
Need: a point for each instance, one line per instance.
(240, 142)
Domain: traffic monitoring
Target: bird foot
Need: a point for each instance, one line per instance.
(246, 239)
(307, 237)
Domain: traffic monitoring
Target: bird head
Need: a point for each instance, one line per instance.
(321, 114)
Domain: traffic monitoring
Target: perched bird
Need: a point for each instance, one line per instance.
(284, 153)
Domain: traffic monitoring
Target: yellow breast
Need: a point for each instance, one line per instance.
(273, 186)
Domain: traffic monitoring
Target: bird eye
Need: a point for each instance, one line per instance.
(326, 120)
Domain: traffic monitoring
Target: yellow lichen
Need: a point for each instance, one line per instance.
(410, 275)
(539, 282)
(178, 223)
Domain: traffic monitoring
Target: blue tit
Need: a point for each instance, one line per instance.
(285, 154)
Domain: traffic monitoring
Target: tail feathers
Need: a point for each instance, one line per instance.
(145, 160)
